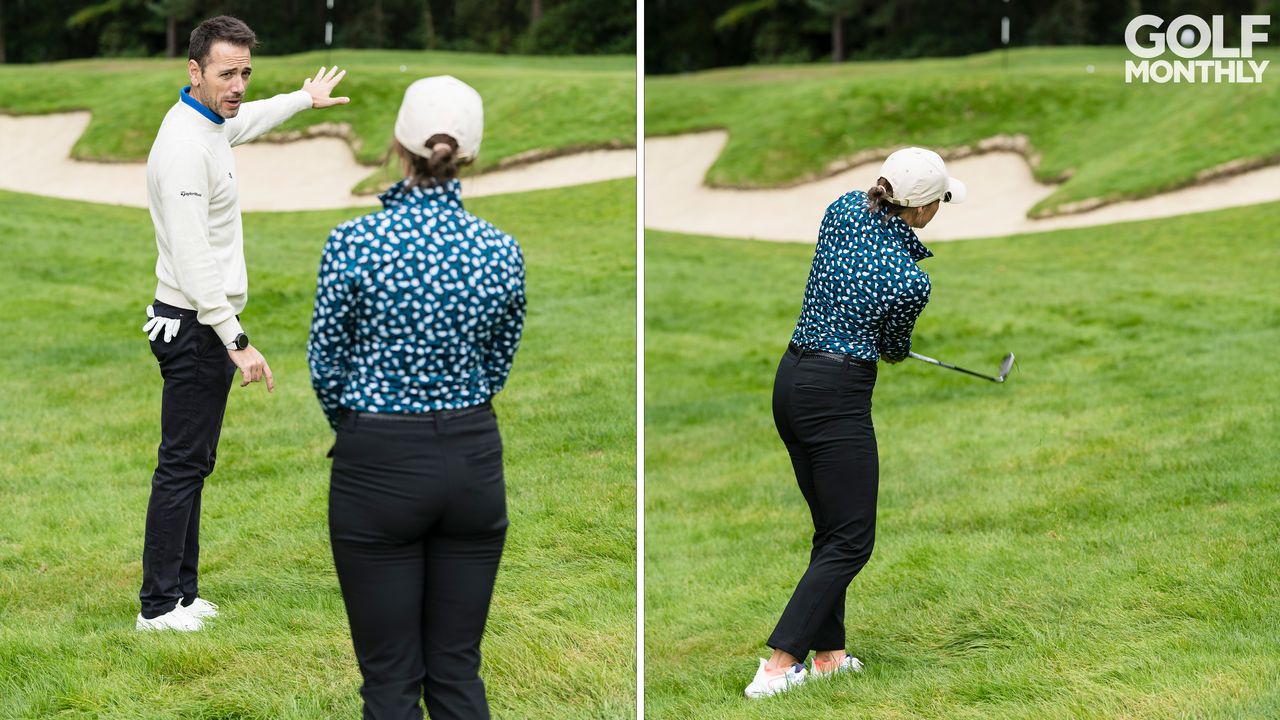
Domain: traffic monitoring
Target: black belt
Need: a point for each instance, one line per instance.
(422, 417)
(795, 349)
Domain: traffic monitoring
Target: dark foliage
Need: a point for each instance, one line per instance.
(682, 36)
(48, 30)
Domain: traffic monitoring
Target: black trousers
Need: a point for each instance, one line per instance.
(417, 519)
(197, 374)
(822, 409)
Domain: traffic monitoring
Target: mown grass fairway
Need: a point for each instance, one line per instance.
(79, 427)
(1097, 538)
(1114, 140)
(531, 103)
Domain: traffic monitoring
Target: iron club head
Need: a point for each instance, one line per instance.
(1005, 366)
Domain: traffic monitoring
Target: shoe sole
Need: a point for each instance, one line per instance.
(141, 627)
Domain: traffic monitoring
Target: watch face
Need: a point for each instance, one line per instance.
(242, 341)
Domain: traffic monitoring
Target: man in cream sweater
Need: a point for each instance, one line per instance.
(194, 324)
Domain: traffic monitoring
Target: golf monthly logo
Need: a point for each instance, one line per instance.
(1189, 36)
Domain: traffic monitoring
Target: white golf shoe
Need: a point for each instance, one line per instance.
(766, 684)
(176, 619)
(201, 608)
(848, 664)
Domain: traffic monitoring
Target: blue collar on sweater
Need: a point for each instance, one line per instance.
(209, 115)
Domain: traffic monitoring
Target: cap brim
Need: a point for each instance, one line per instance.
(956, 191)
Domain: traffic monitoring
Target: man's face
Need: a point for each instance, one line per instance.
(221, 83)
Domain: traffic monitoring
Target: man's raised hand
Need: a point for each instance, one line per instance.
(321, 88)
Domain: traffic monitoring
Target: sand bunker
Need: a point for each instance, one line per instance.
(311, 174)
(1001, 191)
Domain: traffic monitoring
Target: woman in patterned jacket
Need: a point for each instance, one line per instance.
(419, 309)
(864, 294)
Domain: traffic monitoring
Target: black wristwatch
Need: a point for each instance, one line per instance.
(241, 342)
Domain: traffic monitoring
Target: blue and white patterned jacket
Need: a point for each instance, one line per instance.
(865, 290)
(419, 307)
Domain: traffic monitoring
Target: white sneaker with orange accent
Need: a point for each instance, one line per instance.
(847, 664)
(766, 684)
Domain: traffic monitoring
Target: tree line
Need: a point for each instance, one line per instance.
(49, 30)
(682, 36)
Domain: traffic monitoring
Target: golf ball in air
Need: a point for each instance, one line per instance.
(1088, 69)
(403, 68)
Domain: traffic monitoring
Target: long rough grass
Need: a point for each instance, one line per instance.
(1111, 139)
(1097, 538)
(79, 424)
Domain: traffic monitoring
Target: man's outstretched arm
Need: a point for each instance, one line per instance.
(259, 117)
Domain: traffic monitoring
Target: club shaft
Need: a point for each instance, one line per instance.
(939, 363)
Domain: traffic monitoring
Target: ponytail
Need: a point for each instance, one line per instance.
(439, 166)
(878, 199)
(442, 163)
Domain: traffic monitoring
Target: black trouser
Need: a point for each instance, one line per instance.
(822, 409)
(197, 374)
(417, 518)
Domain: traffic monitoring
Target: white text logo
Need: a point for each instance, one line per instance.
(1189, 36)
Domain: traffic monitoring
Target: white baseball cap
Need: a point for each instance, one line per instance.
(919, 177)
(441, 105)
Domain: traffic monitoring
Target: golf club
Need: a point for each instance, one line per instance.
(1005, 366)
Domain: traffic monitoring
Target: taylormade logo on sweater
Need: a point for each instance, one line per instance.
(1189, 36)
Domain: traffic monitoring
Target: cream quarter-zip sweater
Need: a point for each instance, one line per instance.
(195, 205)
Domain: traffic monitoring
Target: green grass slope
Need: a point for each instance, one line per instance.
(531, 103)
(1097, 538)
(1114, 140)
(79, 426)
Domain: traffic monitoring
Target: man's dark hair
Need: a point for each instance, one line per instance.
(225, 28)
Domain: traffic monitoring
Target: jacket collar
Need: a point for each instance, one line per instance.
(447, 193)
(211, 116)
(899, 230)
(908, 239)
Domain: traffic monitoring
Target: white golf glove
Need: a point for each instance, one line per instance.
(157, 325)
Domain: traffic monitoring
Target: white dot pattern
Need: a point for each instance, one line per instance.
(865, 290)
(419, 307)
